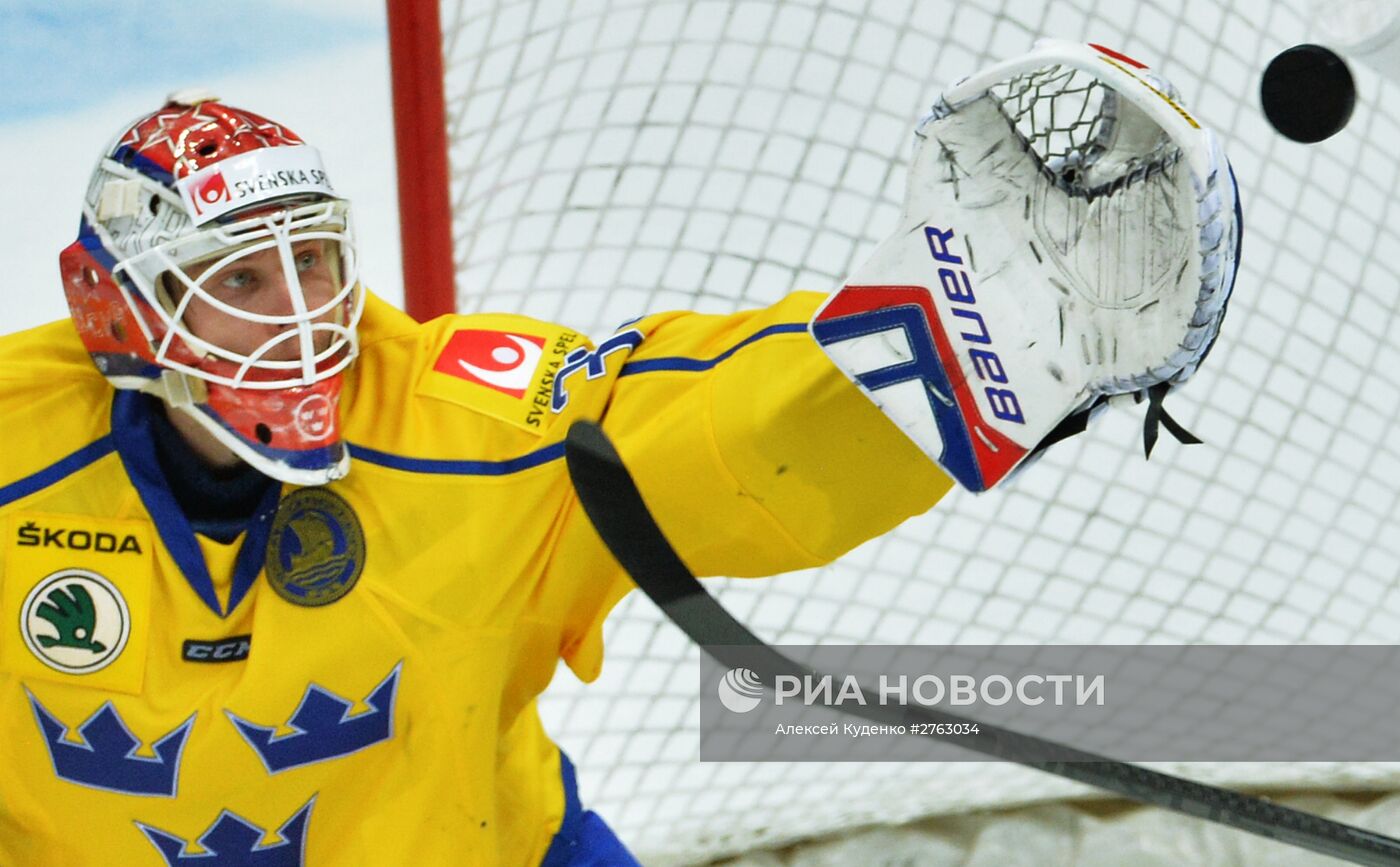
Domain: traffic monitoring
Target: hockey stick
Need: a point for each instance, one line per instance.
(612, 502)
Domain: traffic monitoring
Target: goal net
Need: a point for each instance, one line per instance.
(608, 158)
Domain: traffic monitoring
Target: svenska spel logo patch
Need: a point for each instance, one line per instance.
(501, 360)
(263, 175)
(75, 621)
(209, 190)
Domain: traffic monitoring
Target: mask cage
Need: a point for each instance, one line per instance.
(177, 347)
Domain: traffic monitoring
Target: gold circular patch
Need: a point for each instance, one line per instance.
(316, 550)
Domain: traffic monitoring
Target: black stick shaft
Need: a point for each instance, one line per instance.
(613, 503)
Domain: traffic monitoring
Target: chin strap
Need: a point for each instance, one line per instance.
(177, 389)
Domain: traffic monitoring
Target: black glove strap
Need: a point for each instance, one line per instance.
(1157, 416)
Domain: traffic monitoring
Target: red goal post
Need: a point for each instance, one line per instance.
(420, 145)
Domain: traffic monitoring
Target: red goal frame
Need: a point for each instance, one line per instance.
(420, 145)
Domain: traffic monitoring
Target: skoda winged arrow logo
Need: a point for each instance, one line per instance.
(70, 610)
(75, 621)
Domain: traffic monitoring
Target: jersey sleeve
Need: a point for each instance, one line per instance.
(754, 452)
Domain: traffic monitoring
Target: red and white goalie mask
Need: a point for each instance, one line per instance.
(215, 268)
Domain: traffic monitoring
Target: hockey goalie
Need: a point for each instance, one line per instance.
(284, 571)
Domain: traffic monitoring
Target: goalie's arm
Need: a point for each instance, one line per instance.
(759, 453)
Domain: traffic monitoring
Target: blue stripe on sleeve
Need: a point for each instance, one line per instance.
(57, 472)
(651, 365)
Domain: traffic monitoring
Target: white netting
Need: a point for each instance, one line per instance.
(615, 158)
(1058, 110)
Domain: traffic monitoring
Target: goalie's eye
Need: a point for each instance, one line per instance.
(239, 280)
(306, 259)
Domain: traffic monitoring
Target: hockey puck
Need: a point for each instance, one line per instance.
(1308, 93)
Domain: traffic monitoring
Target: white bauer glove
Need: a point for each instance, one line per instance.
(1070, 233)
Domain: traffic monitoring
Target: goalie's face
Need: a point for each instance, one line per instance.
(265, 315)
(268, 301)
(267, 289)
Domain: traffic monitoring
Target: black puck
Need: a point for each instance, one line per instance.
(1308, 93)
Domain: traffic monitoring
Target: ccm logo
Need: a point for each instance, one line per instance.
(232, 649)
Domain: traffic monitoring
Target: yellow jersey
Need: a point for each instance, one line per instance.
(352, 681)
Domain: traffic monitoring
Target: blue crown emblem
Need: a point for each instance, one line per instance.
(107, 757)
(233, 841)
(324, 727)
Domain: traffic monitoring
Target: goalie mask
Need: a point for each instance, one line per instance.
(215, 268)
